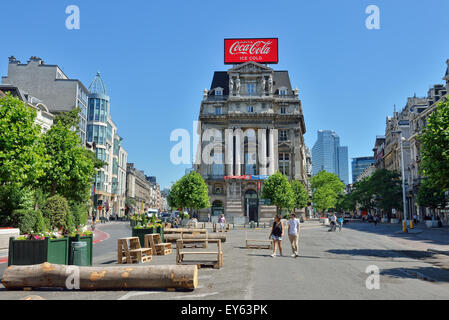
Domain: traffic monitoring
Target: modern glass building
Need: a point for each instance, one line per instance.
(359, 165)
(98, 127)
(328, 155)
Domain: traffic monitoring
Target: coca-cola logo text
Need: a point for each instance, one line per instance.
(258, 47)
(262, 50)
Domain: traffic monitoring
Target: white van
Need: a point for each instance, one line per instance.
(152, 212)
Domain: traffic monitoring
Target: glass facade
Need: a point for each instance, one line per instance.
(98, 110)
(99, 181)
(328, 155)
(359, 165)
(97, 134)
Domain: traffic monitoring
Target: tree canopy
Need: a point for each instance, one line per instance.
(301, 196)
(71, 168)
(278, 189)
(435, 147)
(327, 188)
(189, 192)
(22, 155)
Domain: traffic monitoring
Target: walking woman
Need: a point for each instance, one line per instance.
(277, 232)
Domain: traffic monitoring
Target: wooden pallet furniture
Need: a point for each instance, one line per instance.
(129, 251)
(197, 233)
(154, 242)
(181, 252)
(258, 244)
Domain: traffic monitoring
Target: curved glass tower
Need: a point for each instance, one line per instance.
(98, 128)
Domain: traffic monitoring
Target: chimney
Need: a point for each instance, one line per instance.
(36, 59)
(13, 60)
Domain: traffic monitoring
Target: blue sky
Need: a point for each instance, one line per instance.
(156, 57)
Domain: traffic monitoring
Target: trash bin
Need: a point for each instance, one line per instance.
(79, 254)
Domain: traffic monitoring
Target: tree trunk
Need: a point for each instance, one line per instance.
(48, 275)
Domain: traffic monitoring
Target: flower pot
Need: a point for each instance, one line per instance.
(89, 241)
(140, 233)
(30, 252)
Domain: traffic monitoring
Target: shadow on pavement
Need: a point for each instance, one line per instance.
(379, 253)
(430, 274)
(439, 236)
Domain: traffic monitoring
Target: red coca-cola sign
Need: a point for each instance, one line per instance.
(257, 50)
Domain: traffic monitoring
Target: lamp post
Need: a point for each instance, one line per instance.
(404, 227)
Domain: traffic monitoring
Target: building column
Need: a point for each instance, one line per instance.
(271, 157)
(262, 151)
(229, 152)
(237, 153)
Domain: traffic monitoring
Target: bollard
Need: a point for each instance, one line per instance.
(411, 224)
(404, 226)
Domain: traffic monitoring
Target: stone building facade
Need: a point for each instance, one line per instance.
(251, 125)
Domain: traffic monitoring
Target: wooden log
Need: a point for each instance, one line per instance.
(48, 275)
(174, 237)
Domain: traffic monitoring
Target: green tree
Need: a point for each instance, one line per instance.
(363, 194)
(430, 196)
(301, 196)
(22, 159)
(173, 198)
(190, 192)
(56, 211)
(327, 188)
(387, 190)
(279, 191)
(71, 168)
(435, 147)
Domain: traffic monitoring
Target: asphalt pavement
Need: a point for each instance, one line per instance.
(332, 265)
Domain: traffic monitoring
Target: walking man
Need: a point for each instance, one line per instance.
(293, 234)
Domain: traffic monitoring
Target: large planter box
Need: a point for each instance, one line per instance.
(30, 252)
(384, 220)
(394, 220)
(142, 232)
(89, 241)
(431, 223)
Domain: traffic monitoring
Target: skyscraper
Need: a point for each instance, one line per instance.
(328, 155)
(359, 165)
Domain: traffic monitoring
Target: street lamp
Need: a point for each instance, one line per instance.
(402, 139)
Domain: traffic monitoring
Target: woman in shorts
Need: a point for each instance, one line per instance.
(277, 232)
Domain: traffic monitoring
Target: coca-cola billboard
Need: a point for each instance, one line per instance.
(257, 50)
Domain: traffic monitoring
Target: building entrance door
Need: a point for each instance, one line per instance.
(252, 205)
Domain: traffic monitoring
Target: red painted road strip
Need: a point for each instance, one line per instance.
(99, 236)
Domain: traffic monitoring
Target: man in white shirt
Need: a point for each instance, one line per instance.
(293, 234)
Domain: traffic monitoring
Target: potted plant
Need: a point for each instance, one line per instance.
(148, 226)
(82, 236)
(38, 248)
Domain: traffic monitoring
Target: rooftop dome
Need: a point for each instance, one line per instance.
(97, 86)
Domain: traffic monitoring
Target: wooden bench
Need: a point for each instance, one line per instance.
(129, 251)
(200, 233)
(154, 242)
(181, 244)
(258, 244)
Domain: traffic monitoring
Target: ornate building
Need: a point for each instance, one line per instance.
(251, 125)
